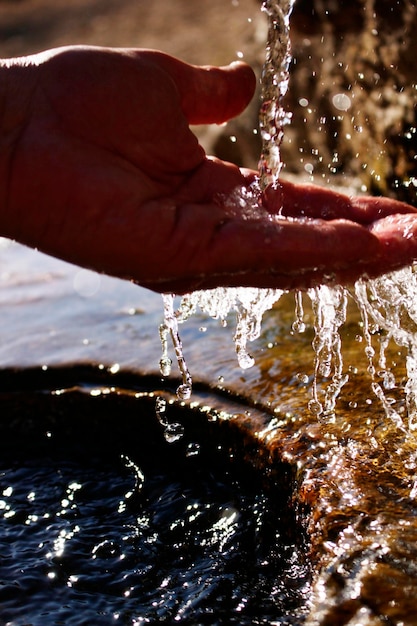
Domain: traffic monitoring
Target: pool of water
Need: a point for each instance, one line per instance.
(349, 478)
(102, 521)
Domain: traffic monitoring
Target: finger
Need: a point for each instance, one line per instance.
(285, 247)
(397, 237)
(290, 254)
(211, 250)
(210, 94)
(307, 200)
(368, 209)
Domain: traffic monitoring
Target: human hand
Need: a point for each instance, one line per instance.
(328, 228)
(102, 170)
(97, 156)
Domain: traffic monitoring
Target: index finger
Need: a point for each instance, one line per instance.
(308, 200)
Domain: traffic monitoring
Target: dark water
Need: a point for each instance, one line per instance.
(103, 522)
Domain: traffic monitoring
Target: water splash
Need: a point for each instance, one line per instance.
(329, 308)
(388, 313)
(390, 304)
(248, 306)
(275, 78)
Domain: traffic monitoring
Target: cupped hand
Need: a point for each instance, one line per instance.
(97, 158)
(99, 167)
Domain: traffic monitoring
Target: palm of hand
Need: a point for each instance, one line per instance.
(108, 158)
(103, 171)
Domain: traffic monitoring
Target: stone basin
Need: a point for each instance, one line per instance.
(80, 358)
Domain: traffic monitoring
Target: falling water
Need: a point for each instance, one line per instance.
(249, 304)
(170, 326)
(329, 308)
(275, 77)
(388, 303)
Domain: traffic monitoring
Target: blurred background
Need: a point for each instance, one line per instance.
(353, 87)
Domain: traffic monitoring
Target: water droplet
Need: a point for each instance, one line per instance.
(160, 406)
(165, 366)
(341, 102)
(245, 360)
(184, 392)
(173, 432)
(315, 407)
(193, 449)
(370, 352)
(298, 327)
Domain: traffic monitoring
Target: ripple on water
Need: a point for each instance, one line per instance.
(94, 536)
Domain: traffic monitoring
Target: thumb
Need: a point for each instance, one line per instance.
(210, 94)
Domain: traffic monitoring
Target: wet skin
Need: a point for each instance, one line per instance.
(98, 166)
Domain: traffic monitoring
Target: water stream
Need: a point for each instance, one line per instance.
(387, 303)
(249, 303)
(274, 85)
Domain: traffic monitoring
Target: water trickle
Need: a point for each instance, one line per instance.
(248, 305)
(299, 324)
(388, 312)
(275, 77)
(329, 307)
(170, 326)
(173, 431)
(387, 303)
